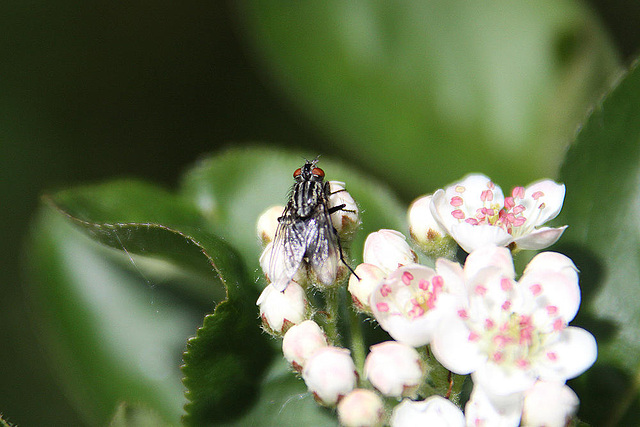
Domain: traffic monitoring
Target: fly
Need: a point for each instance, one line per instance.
(305, 236)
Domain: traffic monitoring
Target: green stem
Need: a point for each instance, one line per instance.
(332, 310)
(358, 349)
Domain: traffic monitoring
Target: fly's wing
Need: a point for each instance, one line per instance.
(322, 246)
(287, 251)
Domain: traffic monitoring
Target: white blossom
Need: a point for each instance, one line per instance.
(432, 238)
(330, 374)
(268, 223)
(281, 310)
(433, 411)
(395, 369)
(410, 303)
(301, 341)
(509, 334)
(361, 408)
(549, 404)
(475, 213)
(361, 287)
(388, 250)
(346, 220)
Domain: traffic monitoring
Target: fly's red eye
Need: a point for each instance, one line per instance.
(318, 172)
(297, 173)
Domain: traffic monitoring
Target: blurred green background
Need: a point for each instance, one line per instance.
(414, 93)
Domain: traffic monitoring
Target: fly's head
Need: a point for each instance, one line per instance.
(309, 172)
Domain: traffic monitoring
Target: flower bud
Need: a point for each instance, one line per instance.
(268, 223)
(388, 249)
(281, 310)
(270, 268)
(427, 232)
(360, 290)
(433, 411)
(330, 374)
(361, 408)
(549, 404)
(301, 341)
(394, 369)
(346, 220)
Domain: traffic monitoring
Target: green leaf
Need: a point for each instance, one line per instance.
(135, 416)
(117, 336)
(232, 190)
(602, 209)
(285, 402)
(428, 91)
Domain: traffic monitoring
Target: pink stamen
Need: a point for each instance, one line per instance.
(552, 310)
(471, 221)
(458, 214)
(463, 314)
(423, 285)
(497, 356)
(382, 306)
(558, 324)
(518, 192)
(407, 278)
(480, 290)
(519, 221)
(456, 201)
(522, 363)
(552, 356)
(537, 195)
(519, 209)
(385, 290)
(491, 185)
(488, 324)
(509, 202)
(438, 283)
(535, 289)
(542, 206)
(506, 284)
(486, 196)
(506, 306)
(473, 336)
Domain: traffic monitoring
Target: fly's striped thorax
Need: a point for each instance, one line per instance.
(306, 196)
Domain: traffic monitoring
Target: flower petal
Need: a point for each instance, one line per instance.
(500, 382)
(453, 347)
(540, 238)
(472, 237)
(487, 257)
(574, 352)
(555, 291)
(550, 194)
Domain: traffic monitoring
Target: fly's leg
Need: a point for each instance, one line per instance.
(342, 257)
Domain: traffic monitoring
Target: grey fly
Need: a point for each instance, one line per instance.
(305, 235)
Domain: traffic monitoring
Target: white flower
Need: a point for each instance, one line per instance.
(510, 334)
(410, 303)
(361, 408)
(347, 219)
(369, 278)
(301, 341)
(268, 223)
(550, 404)
(330, 374)
(388, 250)
(475, 213)
(427, 232)
(394, 369)
(281, 310)
(433, 411)
(484, 410)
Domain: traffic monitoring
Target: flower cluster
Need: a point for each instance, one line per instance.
(510, 333)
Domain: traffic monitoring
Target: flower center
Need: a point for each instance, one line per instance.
(424, 295)
(510, 217)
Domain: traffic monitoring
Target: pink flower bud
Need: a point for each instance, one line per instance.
(388, 250)
(301, 341)
(268, 223)
(281, 310)
(370, 276)
(347, 219)
(394, 369)
(361, 408)
(330, 374)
